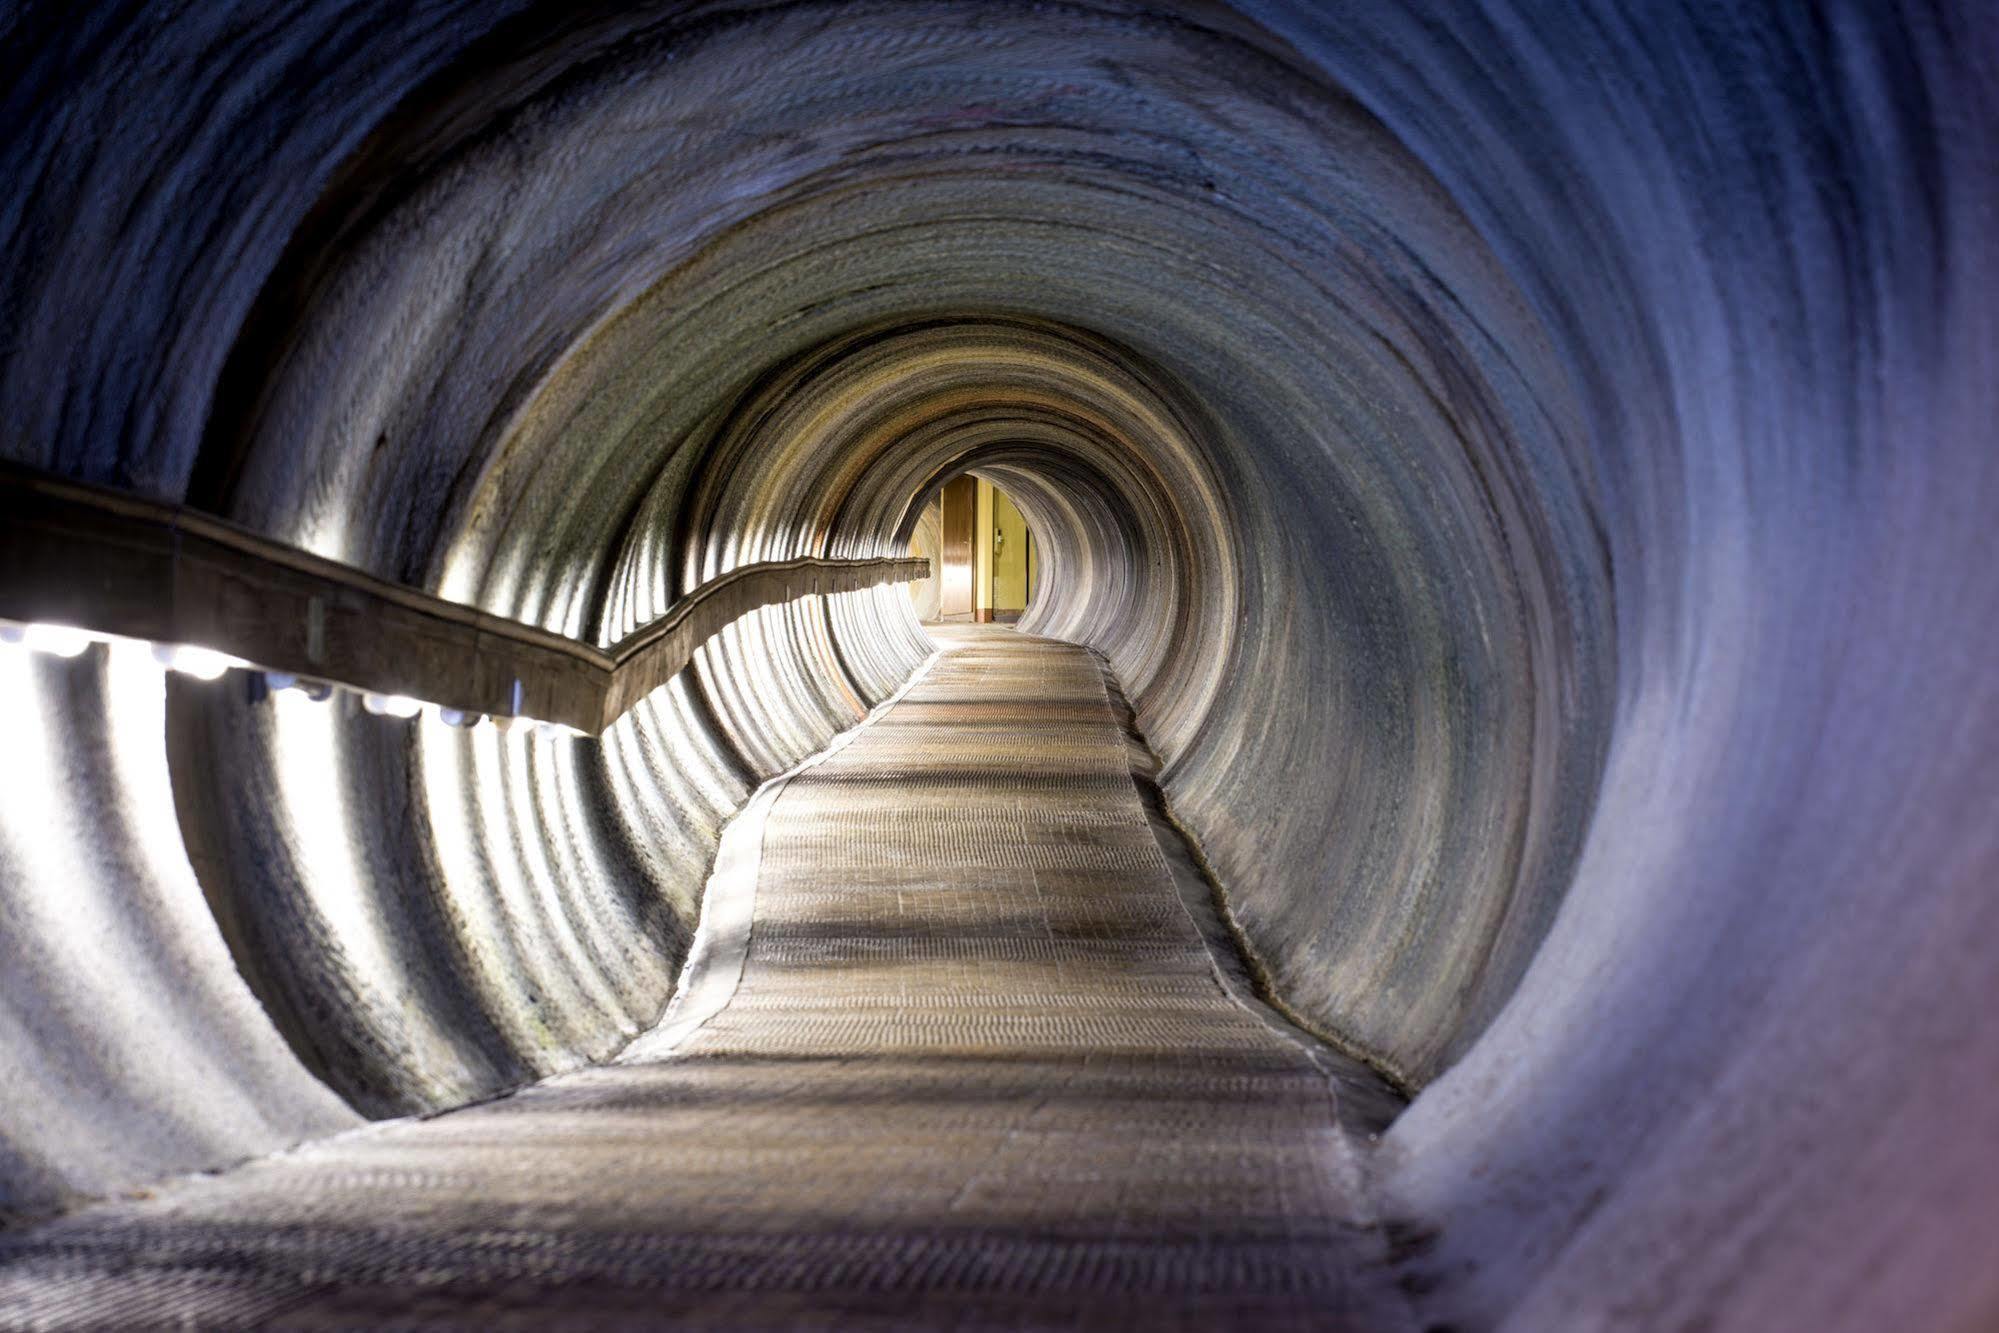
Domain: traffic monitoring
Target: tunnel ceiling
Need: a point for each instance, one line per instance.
(1492, 446)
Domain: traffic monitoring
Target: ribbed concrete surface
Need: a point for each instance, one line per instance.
(980, 1070)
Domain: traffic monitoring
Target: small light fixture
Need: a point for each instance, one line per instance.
(56, 640)
(459, 717)
(190, 660)
(318, 691)
(392, 705)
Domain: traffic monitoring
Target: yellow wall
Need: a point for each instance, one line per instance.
(1033, 566)
(1002, 579)
(1010, 555)
(982, 551)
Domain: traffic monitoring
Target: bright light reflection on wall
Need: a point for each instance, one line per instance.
(607, 927)
(312, 794)
(475, 881)
(103, 898)
(537, 924)
(579, 973)
(51, 905)
(135, 707)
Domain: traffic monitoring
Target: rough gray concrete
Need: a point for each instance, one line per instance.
(977, 1069)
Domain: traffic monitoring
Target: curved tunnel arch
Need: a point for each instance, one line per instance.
(1483, 447)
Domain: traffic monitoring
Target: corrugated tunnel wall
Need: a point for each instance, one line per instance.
(1530, 464)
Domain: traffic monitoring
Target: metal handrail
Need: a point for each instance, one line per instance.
(118, 564)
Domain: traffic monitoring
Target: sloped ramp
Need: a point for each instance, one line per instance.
(977, 1070)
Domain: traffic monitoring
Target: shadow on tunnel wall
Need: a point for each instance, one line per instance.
(1529, 465)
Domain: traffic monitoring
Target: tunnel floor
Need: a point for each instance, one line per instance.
(979, 1065)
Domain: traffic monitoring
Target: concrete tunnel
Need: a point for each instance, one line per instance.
(1528, 466)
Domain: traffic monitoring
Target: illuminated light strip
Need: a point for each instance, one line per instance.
(55, 640)
(190, 660)
(69, 642)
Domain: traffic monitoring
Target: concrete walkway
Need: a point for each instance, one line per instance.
(976, 1067)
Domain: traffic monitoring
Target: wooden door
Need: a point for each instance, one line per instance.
(958, 525)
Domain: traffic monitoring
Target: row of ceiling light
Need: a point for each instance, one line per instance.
(208, 664)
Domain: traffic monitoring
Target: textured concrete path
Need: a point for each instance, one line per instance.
(976, 1068)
